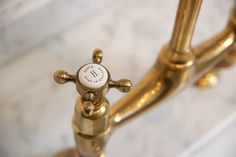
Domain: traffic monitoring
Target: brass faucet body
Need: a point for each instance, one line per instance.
(178, 65)
(91, 131)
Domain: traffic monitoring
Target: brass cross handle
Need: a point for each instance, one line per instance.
(93, 80)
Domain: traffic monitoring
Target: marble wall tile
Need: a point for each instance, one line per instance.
(218, 142)
(35, 113)
(27, 23)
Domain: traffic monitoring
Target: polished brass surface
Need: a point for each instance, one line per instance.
(91, 119)
(178, 65)
(62, 77)
(210, 79)
(67, 153)
(97, 56)
(185, 22)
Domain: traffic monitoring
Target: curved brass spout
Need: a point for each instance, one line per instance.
(209, 53)
(174, 69)
(152, 90)
(169, 75)
(171, 72)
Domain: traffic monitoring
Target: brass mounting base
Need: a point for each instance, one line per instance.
(67, 153)
(70, 153)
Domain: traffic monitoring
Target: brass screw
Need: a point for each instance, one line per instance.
(88, 108)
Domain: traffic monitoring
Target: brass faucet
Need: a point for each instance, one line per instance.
(178, 65)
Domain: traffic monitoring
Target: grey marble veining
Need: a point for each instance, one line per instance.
(218, 142)
(28, 22)
(35, 113)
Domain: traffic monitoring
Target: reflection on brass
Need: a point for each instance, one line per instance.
(67, 153)
(91, 119)
(62, 77)
(210, 79)
(178, 65)
(97, 56)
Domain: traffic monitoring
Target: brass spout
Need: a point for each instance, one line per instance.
(152, 90)
(171, 72)
(185, 22)
(212, 51)
(173, 69)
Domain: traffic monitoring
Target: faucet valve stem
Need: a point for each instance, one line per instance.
(92, 82)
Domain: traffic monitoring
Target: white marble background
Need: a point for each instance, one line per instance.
(39, 37)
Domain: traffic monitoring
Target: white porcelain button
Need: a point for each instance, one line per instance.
(93, 76)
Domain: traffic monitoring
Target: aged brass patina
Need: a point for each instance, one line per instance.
(178, 65)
